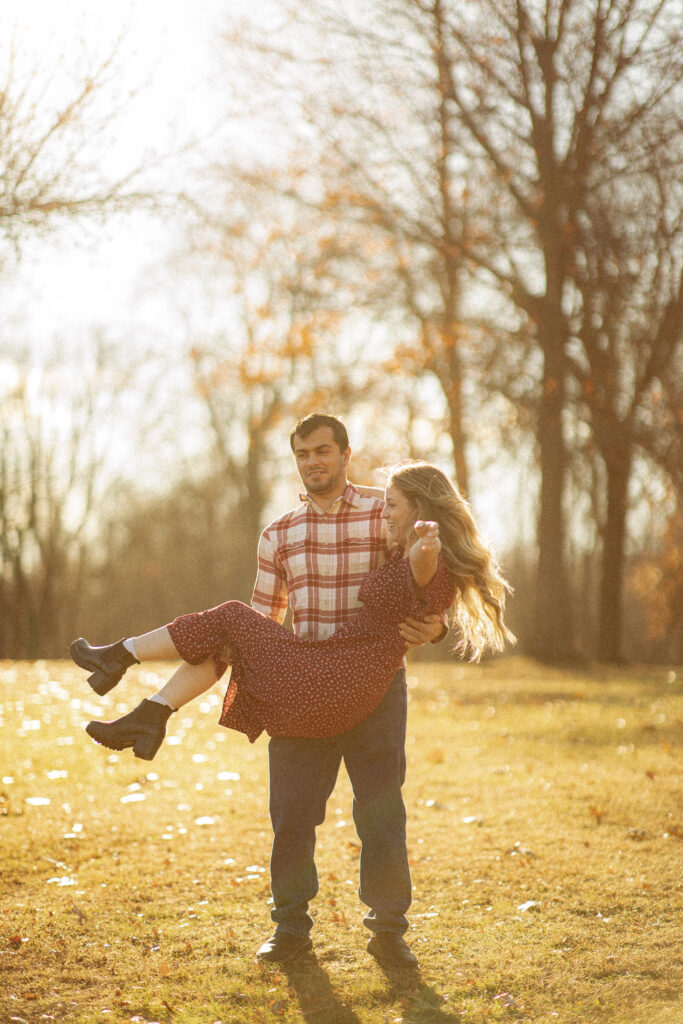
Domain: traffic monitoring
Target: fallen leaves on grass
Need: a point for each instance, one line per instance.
(529, 905)
(519, 851)
(638, 834)
(80, 914)
(508, 1001)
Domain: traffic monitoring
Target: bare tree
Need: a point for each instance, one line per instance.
(628, 317)
(274, 351)
(53, 475)
(57, 126)
(366, 87)
(491, 139)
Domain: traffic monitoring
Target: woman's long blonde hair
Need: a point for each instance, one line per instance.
(480, 587)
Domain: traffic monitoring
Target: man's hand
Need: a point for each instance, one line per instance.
(415, 632)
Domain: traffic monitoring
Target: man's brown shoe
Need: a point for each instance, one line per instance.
(282, 947)
(391, 950)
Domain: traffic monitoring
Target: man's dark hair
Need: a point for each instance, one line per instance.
(314, 420)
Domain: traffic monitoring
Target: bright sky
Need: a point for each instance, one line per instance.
(63, 289)
(170, 49)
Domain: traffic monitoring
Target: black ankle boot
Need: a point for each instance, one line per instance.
(143, 729)
(107, 664)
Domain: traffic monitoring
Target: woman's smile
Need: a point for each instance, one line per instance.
(399, 515)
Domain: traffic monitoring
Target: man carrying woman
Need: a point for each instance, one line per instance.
(336, 687)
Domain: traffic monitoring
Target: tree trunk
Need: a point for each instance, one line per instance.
(553, 627)
(449, 374)
(252, 509)
(618, 461)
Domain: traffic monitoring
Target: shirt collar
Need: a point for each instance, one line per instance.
(349, 496)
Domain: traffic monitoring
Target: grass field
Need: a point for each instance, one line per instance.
(545, 830)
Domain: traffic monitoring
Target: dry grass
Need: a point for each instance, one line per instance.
(543, 832)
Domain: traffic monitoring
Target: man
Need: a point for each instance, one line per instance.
(314, 559)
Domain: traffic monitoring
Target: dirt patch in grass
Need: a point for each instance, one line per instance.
(544, 835)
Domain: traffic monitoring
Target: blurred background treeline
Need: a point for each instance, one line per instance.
(457, 226)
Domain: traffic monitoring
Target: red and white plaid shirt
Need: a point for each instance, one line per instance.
(315, 561)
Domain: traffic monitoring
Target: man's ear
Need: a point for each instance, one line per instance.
(347, 456)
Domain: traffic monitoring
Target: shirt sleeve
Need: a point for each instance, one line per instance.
(270, 589)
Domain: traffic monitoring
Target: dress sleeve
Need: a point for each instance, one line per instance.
(270, 590)
(436, 597)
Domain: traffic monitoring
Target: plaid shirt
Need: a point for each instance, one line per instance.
(315, 561)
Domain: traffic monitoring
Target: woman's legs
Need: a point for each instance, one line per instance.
(186, 683)
(108, 664)
(154, 646)
(144, 728)
(201, 637)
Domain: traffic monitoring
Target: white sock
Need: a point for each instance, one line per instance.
(129, 644)
(158, 699)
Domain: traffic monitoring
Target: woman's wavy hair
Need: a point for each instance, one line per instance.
(477, 611)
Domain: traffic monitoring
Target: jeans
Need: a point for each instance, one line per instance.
(303, 773)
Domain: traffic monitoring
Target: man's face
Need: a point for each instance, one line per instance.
(321, 464)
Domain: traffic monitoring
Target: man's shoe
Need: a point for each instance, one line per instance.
(282, 947)
(107, 664)
(143, 729)
(391, 950)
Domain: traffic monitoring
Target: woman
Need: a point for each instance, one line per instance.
(295, 687)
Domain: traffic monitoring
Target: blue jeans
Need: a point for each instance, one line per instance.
(303, 773)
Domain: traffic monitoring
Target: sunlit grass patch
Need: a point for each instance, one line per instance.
(544, 836)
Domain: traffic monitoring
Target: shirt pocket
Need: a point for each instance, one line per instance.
(360, 555)
(294, 561)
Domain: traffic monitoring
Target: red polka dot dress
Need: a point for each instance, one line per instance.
(290, 686)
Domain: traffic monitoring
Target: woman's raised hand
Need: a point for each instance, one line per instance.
(428, 541)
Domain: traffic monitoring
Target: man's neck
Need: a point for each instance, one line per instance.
(326, 501)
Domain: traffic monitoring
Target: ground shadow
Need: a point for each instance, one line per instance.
(320, 1003)
(422, 1004)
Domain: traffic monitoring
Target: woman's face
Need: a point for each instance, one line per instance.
(399, 515)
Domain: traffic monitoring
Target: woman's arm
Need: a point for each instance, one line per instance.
(424, 554)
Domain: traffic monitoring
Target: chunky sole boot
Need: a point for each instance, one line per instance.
(143, 729)
(107, 664)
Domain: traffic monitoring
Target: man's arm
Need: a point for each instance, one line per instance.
(270, 588)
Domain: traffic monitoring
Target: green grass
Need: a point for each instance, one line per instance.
(544, 834)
